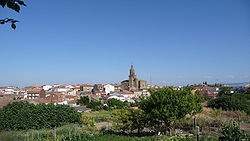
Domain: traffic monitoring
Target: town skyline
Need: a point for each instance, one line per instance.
(148, 82)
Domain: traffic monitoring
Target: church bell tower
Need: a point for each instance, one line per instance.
(133, 81)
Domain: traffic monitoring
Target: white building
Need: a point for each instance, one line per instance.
(69, 86)
(122, 97)
(61, 90)
(109, 88)
(10, 91)
(47, 87)
(72, 92)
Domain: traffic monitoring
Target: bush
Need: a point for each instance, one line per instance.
(23, 115)
(116, 103)
(84, 100)
(234, 102)
(232, 132)
(88, 121)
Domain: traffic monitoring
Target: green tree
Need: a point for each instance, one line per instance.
(12, 4)
(129, 119)
(167, 105)
(116, 103)
(225, 91)
(84, 100)
(95, 106)
(234, 102)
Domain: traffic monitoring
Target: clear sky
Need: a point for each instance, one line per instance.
(176, 42)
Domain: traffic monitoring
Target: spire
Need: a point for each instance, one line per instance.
(132, 71)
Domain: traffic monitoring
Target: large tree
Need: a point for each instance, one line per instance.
(167, 105)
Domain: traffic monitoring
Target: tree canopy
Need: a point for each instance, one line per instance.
(84, 100)
(167, 105)
(225, 91)
(234, 102)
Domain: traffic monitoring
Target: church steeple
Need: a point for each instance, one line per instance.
(132, 71)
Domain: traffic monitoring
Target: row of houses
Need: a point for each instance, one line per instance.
(69, 94)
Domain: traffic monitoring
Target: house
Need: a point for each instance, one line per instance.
(46, 87)
(36, 93)
(55, 97)
(10, 90)
(109, 88)
(32, 87)
(86, 88)
(98, 87)
(61, 89)
(72, 92)
(210, 92)
(122, 97)
(99, 93)
(139, 93)
(117, 87)
(70, 98)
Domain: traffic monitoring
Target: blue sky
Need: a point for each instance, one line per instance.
(176, 42)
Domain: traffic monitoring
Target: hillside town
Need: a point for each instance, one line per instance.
(68, 94)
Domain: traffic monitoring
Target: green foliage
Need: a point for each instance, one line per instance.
(23, 115)
(225, 91)
(96, 106)
(232, 132)
(167, 105)
(84, 100)
(117, 103)
(87, 121)
(234, 102)
(109, 137)
(129, 119)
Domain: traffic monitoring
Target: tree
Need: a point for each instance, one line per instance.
(129, 119)
(95, 106)
(84, 100)
(225, 91)
(14, 5)
(116, 103)
(234, 102)
(167, 105)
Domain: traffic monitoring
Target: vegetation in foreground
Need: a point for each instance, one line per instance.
(24, 115)
(124, 123)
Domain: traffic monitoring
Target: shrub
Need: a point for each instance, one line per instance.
(84, 100)
(88, 121)
(23, 115)
(235, 102)
(232, 132)
(95, 106)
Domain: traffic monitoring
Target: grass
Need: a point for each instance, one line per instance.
(98, 114)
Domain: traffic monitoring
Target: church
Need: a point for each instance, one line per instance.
(133, 83)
